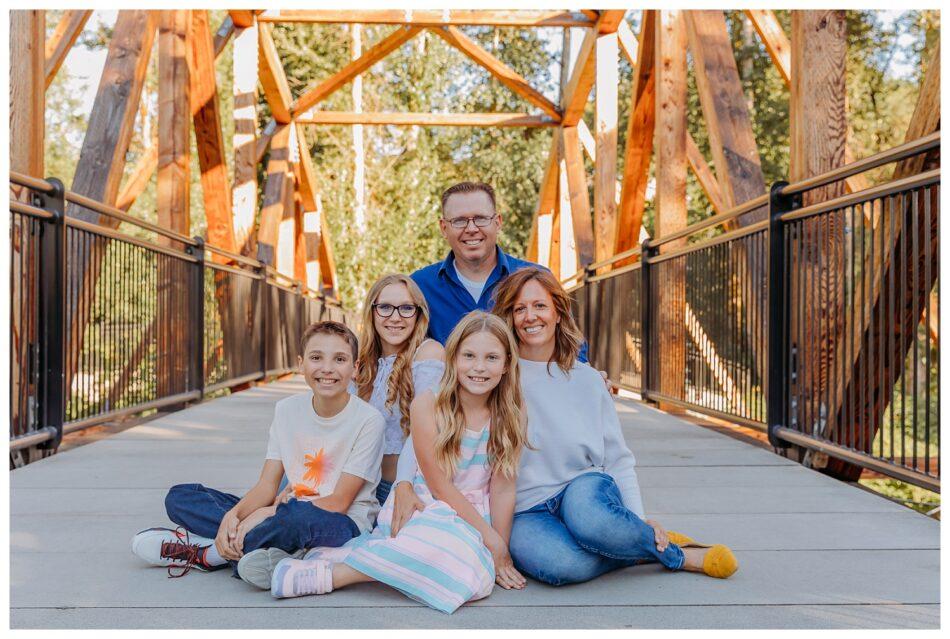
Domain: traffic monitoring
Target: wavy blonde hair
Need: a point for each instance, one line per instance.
(400, 386)
(567, 336)
(508, 434)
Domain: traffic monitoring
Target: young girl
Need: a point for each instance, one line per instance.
(396, 361)
(468, 440)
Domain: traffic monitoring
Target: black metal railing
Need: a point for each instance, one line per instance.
(107, 324)
(815, 323)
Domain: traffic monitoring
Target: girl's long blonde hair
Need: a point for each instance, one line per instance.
(400, 386)
(508, 434)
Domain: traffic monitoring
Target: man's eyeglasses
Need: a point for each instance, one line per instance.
(480, 221)
(386, 310)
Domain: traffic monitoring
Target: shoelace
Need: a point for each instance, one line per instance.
(307, 582)
(181, 551)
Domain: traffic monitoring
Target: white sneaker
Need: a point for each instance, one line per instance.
(298, 577)
(171, 548)
(257, 567)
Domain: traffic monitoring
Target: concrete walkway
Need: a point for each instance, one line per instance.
(813, 552)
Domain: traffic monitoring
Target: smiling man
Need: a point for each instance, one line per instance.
(465, 280)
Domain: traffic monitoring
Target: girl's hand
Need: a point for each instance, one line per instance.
(506, 575)
(227, 533)
(405, 503)
(662, 539)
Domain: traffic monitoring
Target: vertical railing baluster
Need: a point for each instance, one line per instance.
(777, 382)
(52, 313)
(197, 363)
(646, 322)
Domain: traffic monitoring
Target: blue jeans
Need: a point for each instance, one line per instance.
(583, 532)
(295, 525)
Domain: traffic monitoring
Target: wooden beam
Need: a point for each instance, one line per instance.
(582, 77)
(433, 18)
(547, 200)
(223, 34)
(267, 134)
(272, 76)
(373, 55)
(724, 103)
(27, 91)
(138, 180)
(579, 196)
(705, 175)
(241, 19)
(111, 119)
(628, 41)
(174, 140)
(334, 118)
(102, 157)
(285, 257)
(605, 166)
(244, 142)
(275, 195)
(206, 114)
(818, 128)
(57, 47)
(640, 134)
(327, 261)
(505, 74)
(321, 266)
(775, 40)
(671, 106)
(174, 190)
(562, 209)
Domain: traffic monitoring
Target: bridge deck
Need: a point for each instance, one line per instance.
(813, 552)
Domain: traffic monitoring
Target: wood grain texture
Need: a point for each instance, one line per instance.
(138, 179)
(174, 122)
(727, 118)
(670, 199)
(276, 185)
(27, 91)
(640, 138)
(547, 198)
(605, 132)
(206, 115)
(774, 38)
(505, 74)
(272, 76)
(433, 18)
(581, 220)
(705, 176)
(429, 119)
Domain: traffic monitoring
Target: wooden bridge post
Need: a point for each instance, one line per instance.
(818, 139)
(670, 198)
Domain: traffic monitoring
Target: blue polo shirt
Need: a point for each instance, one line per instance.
(448, 299)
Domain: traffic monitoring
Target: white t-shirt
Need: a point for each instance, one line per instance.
(474, 288)
(316, 450)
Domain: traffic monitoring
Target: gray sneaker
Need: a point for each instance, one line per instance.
(257, 566)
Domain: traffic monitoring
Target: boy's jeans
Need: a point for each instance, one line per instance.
(295, 525)
(583, 532)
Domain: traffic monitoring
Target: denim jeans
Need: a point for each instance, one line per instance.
(583, 532)
(295, 525)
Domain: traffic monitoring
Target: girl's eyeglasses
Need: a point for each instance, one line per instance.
(386, 310)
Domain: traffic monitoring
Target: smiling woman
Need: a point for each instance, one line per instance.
(578, 511)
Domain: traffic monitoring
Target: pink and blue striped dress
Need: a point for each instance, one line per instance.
(437, 558)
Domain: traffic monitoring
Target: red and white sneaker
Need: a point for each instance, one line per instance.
(174, 548)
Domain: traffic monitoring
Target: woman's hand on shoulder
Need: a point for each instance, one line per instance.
(430, 350)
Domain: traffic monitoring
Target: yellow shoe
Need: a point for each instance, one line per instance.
(720, 562)
(679, 538)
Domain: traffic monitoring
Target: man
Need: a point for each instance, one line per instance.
(465, 280)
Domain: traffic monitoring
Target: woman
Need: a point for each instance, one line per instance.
(578, 512)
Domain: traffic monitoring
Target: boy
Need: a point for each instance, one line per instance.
(330, 445)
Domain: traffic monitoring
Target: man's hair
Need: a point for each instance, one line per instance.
(469, 187)
(330, 328)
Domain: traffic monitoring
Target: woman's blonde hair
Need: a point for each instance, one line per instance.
(567, 336)
(400, 386)
(508, 433)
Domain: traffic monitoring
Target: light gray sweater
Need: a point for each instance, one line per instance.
(574, 429)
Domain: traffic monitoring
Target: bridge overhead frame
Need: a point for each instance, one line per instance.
(583, 237)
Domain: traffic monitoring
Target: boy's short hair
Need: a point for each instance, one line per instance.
(330, 327)
(469, 187)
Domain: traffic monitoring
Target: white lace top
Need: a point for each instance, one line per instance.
(426, 375)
